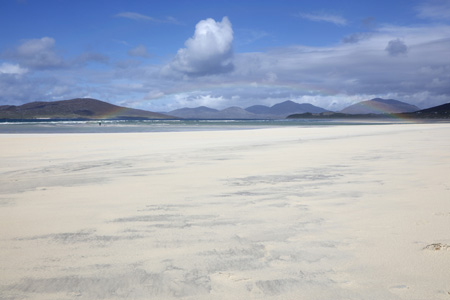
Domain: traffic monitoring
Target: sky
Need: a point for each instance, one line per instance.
(165, 55)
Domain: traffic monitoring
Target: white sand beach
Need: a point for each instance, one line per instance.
(333, 212)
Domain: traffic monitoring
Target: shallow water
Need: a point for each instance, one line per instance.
(128, 126)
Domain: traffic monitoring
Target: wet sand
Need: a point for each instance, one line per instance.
(343, 212)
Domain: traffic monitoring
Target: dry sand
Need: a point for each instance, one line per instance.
(345, 212)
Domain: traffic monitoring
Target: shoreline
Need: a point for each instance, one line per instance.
(124, 126)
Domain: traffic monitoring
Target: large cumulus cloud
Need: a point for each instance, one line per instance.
(209, 51)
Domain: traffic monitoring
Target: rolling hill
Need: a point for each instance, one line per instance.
(436, 112)
(277, 111)
(379, 106)
(80, 108)
(288, 107)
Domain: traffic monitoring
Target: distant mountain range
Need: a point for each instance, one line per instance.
(85, 108)
(81, 108)
(383, 108)
(277, 111)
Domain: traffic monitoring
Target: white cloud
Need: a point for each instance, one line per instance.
(335, 19)
(271, 77)
(38, 54)
(140, 17)
(435, 9)
(41, 54)
(87, 57)
(139, 51)
(7, 68)
(209, 51)
(355, 37)
(135, 16)
(196, 100)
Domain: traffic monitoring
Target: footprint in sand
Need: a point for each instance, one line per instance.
(437, 247)
(396, 289)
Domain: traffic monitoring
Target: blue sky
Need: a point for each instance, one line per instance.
(164, 55)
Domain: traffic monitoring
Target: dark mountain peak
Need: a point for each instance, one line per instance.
(388, 101)
(436, 112)
(440, 108)
(232, 108)
(205, 108)
(379, 106)
(85, 108)
(287, 103)
(289, 107)
(258, 109)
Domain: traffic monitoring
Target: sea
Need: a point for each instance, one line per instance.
(48, 126)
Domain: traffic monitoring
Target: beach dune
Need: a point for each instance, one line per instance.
(332, 212)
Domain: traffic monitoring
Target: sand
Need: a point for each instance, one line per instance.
(344, 212)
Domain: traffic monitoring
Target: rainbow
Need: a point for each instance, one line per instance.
(380, 108)
(116, 111)
(113, 113)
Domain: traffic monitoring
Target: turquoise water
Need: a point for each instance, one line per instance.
(118, 126)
